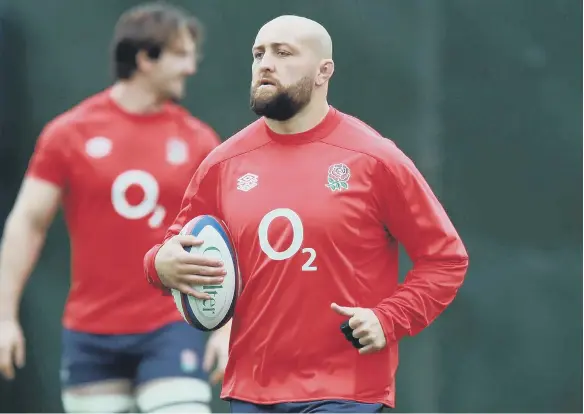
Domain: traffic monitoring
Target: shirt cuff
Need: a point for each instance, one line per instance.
(150, 268)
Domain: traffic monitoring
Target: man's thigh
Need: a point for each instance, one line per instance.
(88, 358)
(96, 376)
(170, 376)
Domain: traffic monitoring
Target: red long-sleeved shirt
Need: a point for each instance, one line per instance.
(316, 218)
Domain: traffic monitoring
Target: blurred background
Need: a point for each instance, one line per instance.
(484, 95)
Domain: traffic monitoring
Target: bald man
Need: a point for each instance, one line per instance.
(317, 203)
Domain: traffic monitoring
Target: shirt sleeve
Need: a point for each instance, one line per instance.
(50, 159)
(415, 218)
(205, 137)
(200, 198)
(212, 139)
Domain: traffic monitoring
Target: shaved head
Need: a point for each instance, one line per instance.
(292, 65)
(312, 34)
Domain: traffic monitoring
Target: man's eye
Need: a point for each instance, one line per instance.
(257, 55)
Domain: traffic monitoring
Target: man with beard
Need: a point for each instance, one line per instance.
(119, 163)
(317, 203)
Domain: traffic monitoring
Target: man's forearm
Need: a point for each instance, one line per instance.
(429, 288)
(19, 251)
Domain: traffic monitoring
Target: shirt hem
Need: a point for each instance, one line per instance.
(120, 330)
(231, 396)
(57, 182)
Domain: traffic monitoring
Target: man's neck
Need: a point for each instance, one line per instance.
(135, 98)
(303, 121)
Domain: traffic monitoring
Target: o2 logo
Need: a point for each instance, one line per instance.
(297, 238)
(149, 205)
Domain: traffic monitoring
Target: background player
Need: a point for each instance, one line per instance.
(326, 202)
(119, 162)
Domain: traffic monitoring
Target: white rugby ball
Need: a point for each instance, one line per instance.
(211, 314)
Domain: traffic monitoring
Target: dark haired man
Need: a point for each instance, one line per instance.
(119, 163)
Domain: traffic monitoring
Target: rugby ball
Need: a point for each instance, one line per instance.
(211, 314)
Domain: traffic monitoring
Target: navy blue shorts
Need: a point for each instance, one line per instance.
(324, 406)
(175, 350)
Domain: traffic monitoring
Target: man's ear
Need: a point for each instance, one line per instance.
(144, 62)
(325, 72)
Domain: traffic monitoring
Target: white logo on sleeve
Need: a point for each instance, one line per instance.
(177, 151)
(98, 147)
(247, 182)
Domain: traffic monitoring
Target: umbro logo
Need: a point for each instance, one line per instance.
(247, 182)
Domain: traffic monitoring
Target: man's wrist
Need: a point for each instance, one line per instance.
(8, 315)
(226, 327)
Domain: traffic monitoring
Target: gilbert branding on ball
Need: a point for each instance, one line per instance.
(211, 314)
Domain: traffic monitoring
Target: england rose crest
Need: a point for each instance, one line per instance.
(338, 177)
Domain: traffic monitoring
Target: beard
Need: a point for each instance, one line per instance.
(284, 103)
(172, 90)
(163, 95)
(175, 96)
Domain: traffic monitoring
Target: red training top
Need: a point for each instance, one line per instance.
(123, 177)
(316, 218)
